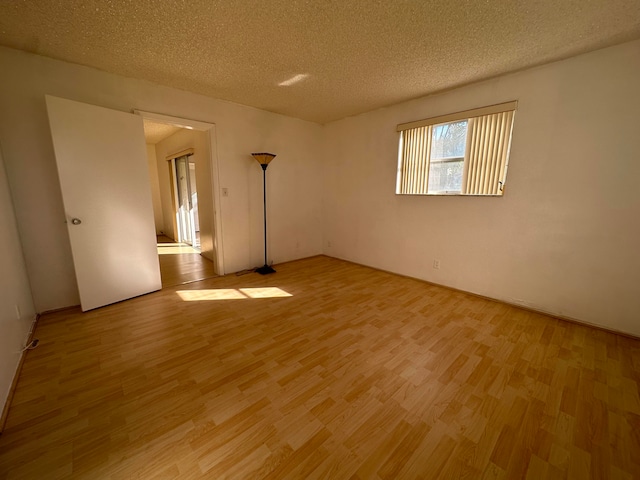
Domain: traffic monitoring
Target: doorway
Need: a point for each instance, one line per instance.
(183, 175)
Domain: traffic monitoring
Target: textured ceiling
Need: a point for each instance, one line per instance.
(155, 132)
(319, 60)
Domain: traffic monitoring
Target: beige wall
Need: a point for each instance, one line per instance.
(15, 293)
(564, 237)
(295, 196)
(155, 188)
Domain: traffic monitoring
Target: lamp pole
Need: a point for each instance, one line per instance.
(264, 159)
(264, 206)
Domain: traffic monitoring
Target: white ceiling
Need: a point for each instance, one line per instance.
(348, 57)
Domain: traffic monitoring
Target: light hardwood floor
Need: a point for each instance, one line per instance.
(357, 374)
(180, 263)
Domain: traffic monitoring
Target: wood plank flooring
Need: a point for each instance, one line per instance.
(181, 263)
(356, 374)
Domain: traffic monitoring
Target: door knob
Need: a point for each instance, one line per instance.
(76, 221)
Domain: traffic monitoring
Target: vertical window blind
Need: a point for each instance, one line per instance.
(487, 156)
(415, 145)
(486, 151)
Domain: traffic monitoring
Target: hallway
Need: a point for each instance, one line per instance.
(180, 263)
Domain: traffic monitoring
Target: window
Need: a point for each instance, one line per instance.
(465, 153)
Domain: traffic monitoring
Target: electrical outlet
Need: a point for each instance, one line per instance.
(329, 243)
(436, 264)
(18, 315)
(225, 192)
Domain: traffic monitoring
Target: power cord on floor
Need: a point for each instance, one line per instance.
(32, 344)
(245, 272)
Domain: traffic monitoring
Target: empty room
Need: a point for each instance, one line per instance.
(319, 240)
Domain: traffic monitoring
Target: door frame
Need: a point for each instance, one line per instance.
(210, 130)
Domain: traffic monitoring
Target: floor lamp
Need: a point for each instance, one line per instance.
(264, 159)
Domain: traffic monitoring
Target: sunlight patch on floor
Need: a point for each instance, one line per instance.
(265, 292)
(231, 293)
(175, 249)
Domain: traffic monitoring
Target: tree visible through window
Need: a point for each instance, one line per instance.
(448, 142)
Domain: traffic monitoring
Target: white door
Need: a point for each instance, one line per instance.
(101, 158)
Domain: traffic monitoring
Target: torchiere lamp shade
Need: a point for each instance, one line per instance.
(263, 158)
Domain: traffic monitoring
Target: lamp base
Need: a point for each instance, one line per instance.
(265, 270)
